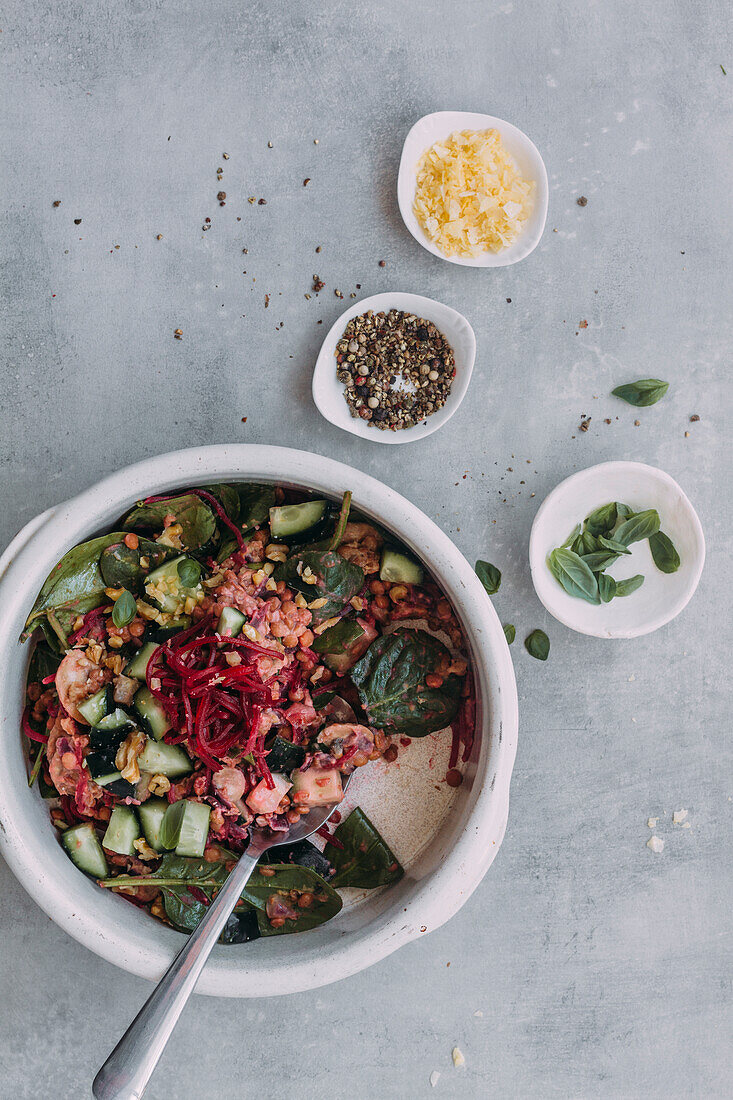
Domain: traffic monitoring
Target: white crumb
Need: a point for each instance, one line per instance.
(652, 822)
(632, 678)
(686, 825)
(434, 1076)
(678, 817)
(478, 1012)
(655, 843)
(457, 1056)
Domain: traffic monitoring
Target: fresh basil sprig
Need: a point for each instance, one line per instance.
(626, 587)
(124, 610)
(489, 576)
(537, 645)
(647, 391)
(573, 574)
(642, 525)
(509, 632)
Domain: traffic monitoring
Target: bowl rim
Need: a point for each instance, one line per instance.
(431, 901)
(327, 390)
(528, 240)
(537, 553)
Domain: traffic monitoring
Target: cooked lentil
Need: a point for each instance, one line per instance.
(378, 350)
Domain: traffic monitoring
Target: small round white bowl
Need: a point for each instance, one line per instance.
(442, 124)
(328, 392)
(662, 595)
(449, 847)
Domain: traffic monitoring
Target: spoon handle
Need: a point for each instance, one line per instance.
(127, 1071)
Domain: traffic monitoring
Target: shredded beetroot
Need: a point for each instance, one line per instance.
(323, 831)
(49, 679)
(28, 730)
(214, 707)
(213, 503)
(92, 626)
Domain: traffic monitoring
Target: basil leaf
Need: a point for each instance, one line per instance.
(289, 876)
(589, 542)
(606, 587)
(537, 645)
(623, 511)
(577, 546)
(120, 564)
(647, 391)
(602, 520)
(194, 515)
(124, 610)
(390, 679)
(600, 560)
(338, 638)
(363, 859)
(625, 588)
(664, 553)
(509, 632)
(572, 572)
(641, 525)
(613, 544)
(489, 576)
(572, 536)
(336, 579)
(189, 572)
(73, 587)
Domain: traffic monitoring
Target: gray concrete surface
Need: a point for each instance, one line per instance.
(584, 966)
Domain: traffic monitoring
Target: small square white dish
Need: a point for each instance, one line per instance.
(328, 392)
(439, 126)
(662, 595)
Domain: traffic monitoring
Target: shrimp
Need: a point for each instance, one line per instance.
(77, 677)
(360, 545)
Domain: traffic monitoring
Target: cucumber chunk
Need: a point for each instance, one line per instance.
(161, 634)
(295, 519)
(122, 831)
(230, 622)
(158, 758)
(97, 706)
(151, 814)
(139, 663)
(164, 589)
(185, 827)
(284, 756)
(84, 850)
(397, 568)
(152, 714)
(116, 720)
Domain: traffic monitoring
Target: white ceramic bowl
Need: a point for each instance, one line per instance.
(662, 596)
(445, 867)
(328, 392)
(442, 124)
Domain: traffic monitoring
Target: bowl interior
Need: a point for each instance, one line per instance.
(443, 860)
(439, 126)
(662, 595)
(328, 392)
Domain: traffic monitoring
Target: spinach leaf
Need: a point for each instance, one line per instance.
(489, 576)
(343, 519)
(390, 679)
(664, 553)
(365, 860)
(537, 645)
(228, 497)
(73, 587)
(182, 906)
(647, 391)
(602, 520)
(625, 588)
(606, 587)
(43, 663)
(255, 502)
(509, 632)
(338, 638)
(641, 525)
(331, 576)
(286, 877)
(194, 515)
(120, 564)
(572, 572)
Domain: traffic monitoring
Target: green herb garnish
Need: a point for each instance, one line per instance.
(124, 610)
(189, 572)
(509, 632)
(647, 391)
(537, 645)
(625, 588)
(664, 553)
(489, 576)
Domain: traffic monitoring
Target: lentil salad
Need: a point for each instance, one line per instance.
(221, 662)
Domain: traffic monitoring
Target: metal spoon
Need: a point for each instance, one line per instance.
(127, 1071)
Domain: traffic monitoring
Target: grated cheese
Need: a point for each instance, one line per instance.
(470, 196)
